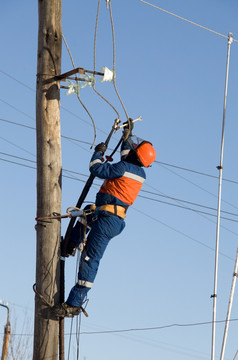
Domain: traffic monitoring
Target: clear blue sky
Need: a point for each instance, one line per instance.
(160, 270)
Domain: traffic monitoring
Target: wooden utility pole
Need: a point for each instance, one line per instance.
(7, 331)
(49, 175)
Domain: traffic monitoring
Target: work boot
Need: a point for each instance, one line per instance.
(65, 310)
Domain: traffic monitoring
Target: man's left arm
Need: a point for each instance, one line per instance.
(104, 170)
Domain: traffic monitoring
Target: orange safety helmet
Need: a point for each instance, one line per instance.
(146, 153)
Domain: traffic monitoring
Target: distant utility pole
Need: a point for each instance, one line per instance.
(49, 176)
(7, 331)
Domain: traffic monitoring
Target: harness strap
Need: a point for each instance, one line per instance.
(112, 209)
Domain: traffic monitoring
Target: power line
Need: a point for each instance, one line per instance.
(187, 202)
(33, 128)
(143, 191)
(33, 161)
(14, 162)
(187, 208)
(195, 171)
(62, 107)
(88, 143)
(18, 81)
(145, 214)
(17, 146)
(18, 124)
(156, 161)
(18, 110)
(181, 232)
(144, 328)
(186, 20)
(199, 187)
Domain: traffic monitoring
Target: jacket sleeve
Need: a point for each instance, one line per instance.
(105, 170)
(125, 148)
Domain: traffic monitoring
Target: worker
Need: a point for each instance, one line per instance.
(123, 181)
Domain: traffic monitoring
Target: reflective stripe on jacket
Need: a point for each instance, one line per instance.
(125, 188)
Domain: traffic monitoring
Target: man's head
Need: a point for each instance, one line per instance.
(143, 154)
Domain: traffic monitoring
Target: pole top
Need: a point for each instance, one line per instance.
(230, 37)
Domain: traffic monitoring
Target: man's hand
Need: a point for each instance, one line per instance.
(127, 129)
(129, 124)
(126, 134)
(101, 148)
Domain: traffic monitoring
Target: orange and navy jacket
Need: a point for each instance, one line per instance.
(123, 180)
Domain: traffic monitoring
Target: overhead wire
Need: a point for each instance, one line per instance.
(200, 187)
(187, 208)
(114, 61)
(114, 71)
(180, 232)
(186, 20)
(33, 90)
(164, 164)
(157, 190)
(94, 62)
(186, 202)
(194, 171)
(153, 328)
(153, 218)
(20, 111)
(78, 96)
(141, 196)
(17, 146)
(142, 191)
(15, 163)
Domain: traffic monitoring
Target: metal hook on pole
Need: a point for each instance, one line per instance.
(220, 168)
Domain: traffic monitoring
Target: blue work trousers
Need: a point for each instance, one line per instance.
(102, 231)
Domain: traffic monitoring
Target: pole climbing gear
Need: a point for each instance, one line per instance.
(71, 212)
(111, 209)
(64, 310)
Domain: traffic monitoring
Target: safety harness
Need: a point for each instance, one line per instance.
(110, 209)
